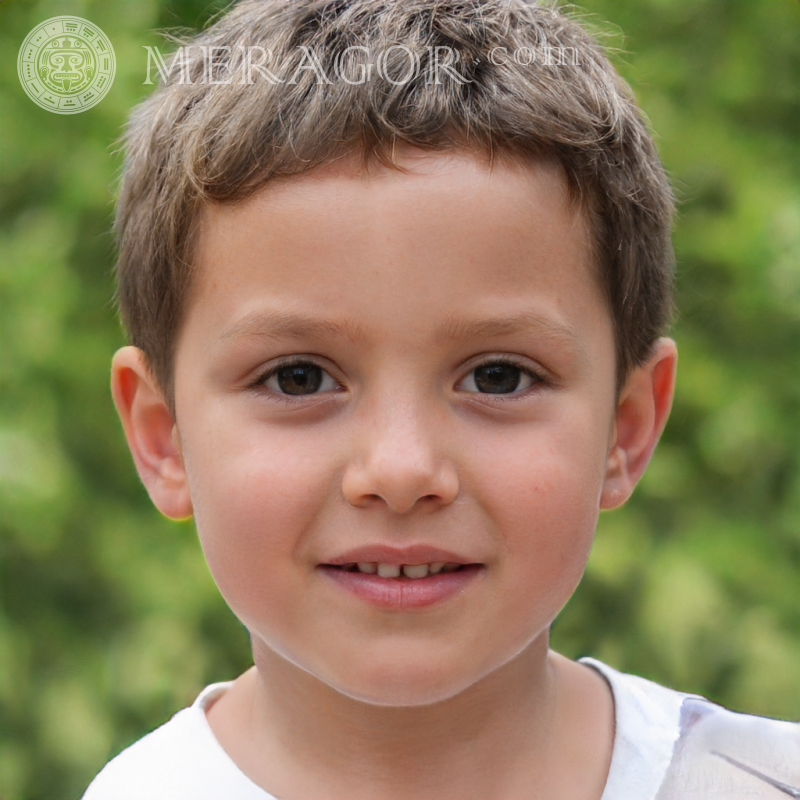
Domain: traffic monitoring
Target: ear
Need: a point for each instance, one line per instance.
(151, 432)
(642, 412)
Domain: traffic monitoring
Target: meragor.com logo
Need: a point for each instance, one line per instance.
(66, 65)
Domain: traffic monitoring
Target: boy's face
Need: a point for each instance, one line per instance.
(405, 369)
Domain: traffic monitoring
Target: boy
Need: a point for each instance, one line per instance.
(395, 275)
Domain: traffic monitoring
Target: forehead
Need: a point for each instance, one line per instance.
(445, 231)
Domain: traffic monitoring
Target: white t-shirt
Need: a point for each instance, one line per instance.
(667, 746)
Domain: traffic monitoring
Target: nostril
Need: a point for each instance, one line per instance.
(399, 485)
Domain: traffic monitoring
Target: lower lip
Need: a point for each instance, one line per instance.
(404, 593)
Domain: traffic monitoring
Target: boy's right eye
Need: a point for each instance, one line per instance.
(299, 378)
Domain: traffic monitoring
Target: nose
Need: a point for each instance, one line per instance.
(398, 461)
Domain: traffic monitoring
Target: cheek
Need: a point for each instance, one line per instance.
(541, 489)
(255, 499)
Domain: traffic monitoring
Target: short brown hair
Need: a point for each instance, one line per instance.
(527, 82)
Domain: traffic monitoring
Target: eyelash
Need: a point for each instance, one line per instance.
(538, 380)
(260, 383)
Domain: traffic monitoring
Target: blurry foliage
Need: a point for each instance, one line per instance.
(110, 621)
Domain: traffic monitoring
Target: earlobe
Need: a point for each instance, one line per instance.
(151, 433)
(641, 415)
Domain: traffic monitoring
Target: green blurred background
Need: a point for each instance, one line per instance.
(110, 621)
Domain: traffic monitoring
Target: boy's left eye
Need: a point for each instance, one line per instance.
(497, 377)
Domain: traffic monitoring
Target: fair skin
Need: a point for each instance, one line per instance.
(401, 369)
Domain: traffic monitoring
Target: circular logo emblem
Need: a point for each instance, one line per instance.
(66, 65)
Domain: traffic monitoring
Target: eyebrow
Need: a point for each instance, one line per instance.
(277, 324)
(543, 327)
(288, 324)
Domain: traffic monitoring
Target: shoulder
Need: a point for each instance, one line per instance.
(674, 746)
(181, 760)
(647, 725)
(720, 750)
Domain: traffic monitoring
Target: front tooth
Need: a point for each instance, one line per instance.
(436, 567)
(388, 570)
(369, 568)
(415, 570)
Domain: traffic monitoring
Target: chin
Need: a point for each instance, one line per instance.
(405, 686)
(403, 695)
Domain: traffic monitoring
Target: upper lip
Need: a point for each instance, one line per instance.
(385, 554)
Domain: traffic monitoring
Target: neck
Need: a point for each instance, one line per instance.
(505, 736)
(440, 745)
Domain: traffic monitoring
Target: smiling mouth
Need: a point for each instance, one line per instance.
(400, 571)
(403, 587)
